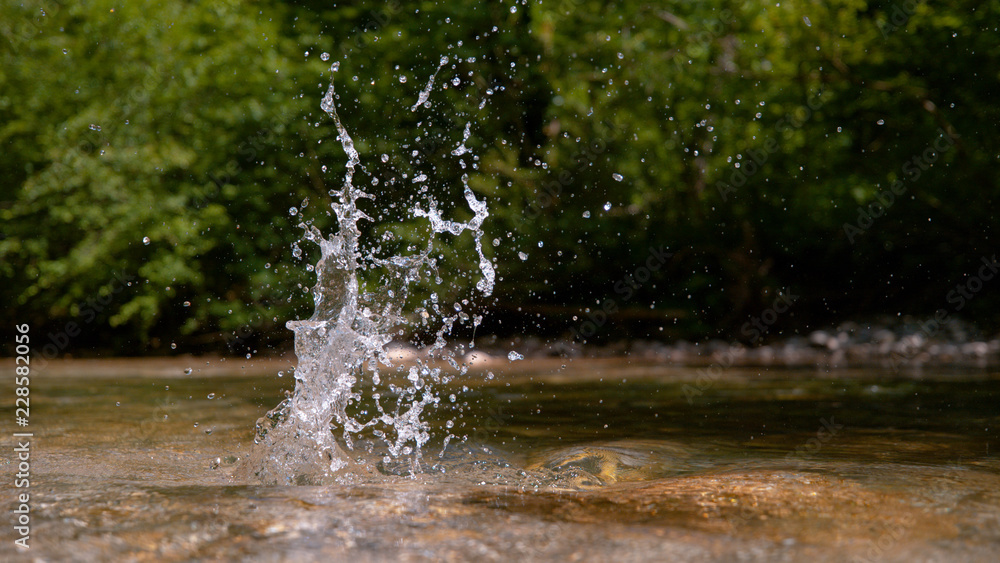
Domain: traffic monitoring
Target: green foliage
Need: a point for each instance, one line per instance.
(137, 138)
(168, 144)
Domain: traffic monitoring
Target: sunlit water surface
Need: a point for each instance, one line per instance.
(596, 461)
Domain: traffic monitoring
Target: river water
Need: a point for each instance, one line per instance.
(590, 460)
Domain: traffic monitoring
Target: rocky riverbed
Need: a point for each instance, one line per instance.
(902, 345)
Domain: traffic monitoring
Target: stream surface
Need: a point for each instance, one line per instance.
(600, 460)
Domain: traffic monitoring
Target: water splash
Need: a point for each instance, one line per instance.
(346, 338)
(425, 94)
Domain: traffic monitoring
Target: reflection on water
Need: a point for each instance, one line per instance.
(595, 461)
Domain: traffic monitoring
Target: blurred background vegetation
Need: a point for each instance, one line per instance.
(151, 154)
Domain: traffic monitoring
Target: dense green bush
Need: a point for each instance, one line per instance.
(754, 140)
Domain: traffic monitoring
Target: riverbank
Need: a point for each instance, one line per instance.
(905, 346)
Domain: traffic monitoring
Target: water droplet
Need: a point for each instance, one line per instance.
(806, 19)
(607, 206)
(196, 425)
(293, 211)
(145, 240)
(211, 396)
(514, 356)
(94, 127)
(586, 214)
(618, 176)
(385, 158)
(402, 79)
(187, 371)
(881, 122)
(522, 256)
(117, 404)
(323, 57)
(187, 303)
(173, 345)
